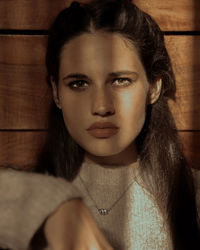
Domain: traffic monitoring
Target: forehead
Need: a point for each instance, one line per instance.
(99, 50)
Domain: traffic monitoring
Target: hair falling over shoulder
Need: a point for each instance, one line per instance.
(162, 162)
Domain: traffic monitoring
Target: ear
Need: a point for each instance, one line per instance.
(55, 93)
(155, 91)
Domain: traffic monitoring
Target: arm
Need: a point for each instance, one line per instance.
(27, 199)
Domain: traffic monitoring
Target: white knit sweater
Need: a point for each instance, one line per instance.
(133, 223)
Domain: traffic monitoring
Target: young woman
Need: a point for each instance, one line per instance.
(113, 139)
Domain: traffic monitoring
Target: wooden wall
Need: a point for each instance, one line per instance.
(25, 98)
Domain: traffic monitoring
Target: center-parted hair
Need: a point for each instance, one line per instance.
(162, 163)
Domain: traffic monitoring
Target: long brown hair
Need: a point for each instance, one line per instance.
(162, 162)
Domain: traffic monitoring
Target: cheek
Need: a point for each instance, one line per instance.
(73, 111)
(132, 110)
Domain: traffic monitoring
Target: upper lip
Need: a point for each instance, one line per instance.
(102, 125)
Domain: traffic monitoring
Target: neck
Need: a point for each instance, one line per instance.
(126, 157)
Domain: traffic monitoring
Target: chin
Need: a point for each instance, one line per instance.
(103, 151)
(102, 154)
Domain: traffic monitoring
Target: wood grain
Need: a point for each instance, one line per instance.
(172, 15)
(20, 149)
(185, 55)
(25, 98)
(191, 147)
(39, 14)
(24, 95)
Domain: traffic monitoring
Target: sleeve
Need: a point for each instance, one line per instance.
(26, 200)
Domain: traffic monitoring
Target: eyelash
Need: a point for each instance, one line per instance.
(124, 79)
(71, 84)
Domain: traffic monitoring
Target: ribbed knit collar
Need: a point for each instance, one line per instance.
(108, 174)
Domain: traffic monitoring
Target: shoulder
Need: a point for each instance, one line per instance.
(196, 177)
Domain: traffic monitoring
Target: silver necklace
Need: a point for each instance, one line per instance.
(105, 211)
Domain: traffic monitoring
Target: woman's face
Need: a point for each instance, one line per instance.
(101, 79)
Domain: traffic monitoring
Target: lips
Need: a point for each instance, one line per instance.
(102, 125)
(103, 129)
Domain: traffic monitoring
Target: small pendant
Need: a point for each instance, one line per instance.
(103, 211)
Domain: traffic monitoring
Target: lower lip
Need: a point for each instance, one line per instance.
(103, 132)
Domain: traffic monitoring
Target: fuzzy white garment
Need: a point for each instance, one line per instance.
(134, 222)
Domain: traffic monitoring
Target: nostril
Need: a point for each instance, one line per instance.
(102, 104)
(103, 112)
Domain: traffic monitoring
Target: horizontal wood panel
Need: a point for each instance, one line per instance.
(20, 149)
(173, 15)
(191, 146)
(24, 95)
(25, 98)
(39, 14)
(185, 55)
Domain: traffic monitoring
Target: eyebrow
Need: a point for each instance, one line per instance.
(112, 74)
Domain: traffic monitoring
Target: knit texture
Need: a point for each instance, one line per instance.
(26, 201)
(133, 223)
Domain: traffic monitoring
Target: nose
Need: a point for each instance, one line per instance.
(102, 103)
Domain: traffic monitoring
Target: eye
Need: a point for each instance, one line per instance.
(122, 82)
(78, 85)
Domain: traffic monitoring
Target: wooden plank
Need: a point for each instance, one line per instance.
(24, 95)
(39, 14)
(191, 146)
(185, 54)
(180, 15)
(25, 98)
(20, 149)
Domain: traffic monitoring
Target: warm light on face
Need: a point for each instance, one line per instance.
(101, 79)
